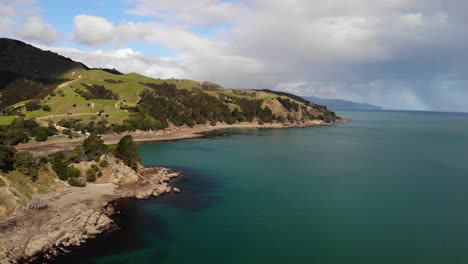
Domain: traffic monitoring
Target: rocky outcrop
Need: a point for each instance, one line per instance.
(118, 173)
(47, 228)
(51, 231)
(153, 183)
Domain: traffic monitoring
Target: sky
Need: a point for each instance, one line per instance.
(398, 54)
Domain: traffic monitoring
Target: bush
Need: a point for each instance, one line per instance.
(46, 108)
(32, 105)
(91, 175)
(73, 172)
(103, 163)
(77, 155)
(76, 182)
(94, 167)
(26, 163)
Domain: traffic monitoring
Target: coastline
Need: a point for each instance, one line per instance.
(169, 134)
(73, 216)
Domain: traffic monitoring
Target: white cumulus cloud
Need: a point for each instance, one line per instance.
(36, 29)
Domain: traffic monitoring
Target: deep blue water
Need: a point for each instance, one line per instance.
(388, 187)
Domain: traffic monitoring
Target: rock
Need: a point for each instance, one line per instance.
(176, 190)
(50, 231)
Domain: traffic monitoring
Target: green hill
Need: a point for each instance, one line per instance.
(54, 89)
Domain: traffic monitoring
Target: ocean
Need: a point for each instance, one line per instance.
(387, 187)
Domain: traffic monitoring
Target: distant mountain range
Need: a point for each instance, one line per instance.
(339, 104)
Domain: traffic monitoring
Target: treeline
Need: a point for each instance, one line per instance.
(165, 103)
(22, 130)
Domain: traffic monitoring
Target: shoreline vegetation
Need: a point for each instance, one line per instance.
(52, 146)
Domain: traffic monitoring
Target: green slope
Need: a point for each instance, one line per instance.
(52, 88)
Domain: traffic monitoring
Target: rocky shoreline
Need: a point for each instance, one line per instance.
(72, 217)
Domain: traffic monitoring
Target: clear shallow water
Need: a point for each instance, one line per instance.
(389, 187)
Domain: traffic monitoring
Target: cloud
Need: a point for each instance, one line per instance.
(396, 53)
(21, 19)
(192, 13)
(125, 60)
(36, 29)
(92, 30)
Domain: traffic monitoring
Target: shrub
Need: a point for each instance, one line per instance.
(91, 175)
(26, 163)
(94, 167)
(103, 163)
(32, 105)
(73, 172)
(46, 108)
(76, 182)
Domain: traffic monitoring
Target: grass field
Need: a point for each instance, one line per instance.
(6, 120)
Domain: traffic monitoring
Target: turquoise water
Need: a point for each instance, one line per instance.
(388, 187)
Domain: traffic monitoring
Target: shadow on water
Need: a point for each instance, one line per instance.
(135, 220)
(199, 191)
(220, 133)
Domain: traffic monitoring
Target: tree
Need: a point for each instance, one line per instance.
(6, 158)
(46, 108)
(126, 151)
(26, 163)
(60, 166)
(32, 105)
(93, 147)
(77, 155)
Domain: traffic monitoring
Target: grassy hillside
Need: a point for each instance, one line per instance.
(53, 89)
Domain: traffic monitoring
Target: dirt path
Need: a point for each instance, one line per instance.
(65, 115)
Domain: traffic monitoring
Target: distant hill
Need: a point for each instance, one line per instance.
(339, 104)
